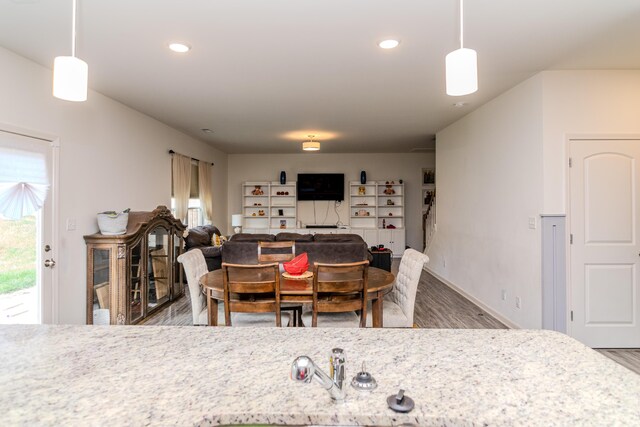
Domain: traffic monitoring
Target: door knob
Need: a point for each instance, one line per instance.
(47, 248)
(49, 263)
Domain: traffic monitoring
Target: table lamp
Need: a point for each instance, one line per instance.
(236, 221)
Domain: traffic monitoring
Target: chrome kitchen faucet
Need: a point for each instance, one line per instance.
(304, 370)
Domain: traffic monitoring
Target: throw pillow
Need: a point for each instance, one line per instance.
(217, 240)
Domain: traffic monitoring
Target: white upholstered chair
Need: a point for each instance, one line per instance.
(194, 268)
(399, 304)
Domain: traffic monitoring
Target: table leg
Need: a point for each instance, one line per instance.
(376, 310)
(212, 310)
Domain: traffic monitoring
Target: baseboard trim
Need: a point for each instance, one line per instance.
(501, 318)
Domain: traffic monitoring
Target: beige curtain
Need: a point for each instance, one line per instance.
(181, 167)
(205, 175)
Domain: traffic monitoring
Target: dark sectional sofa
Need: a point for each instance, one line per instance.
(200, 238)
(328, 248)
(242, 248)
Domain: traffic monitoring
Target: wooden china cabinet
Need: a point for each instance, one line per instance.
(131, 275)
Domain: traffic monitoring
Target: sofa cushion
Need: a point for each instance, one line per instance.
(295, 237)
(211, 251)
(337, 238)
(248, 237)
(197, 237)
(211, 229)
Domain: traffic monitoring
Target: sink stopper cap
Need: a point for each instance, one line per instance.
(363, 381)
(399, 402)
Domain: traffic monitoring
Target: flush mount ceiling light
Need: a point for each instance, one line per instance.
(388, 44)
(70, 74)
(179, 47)
(462, 67)
(311, 145)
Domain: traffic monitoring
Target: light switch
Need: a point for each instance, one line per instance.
(532, 222)
(71, 224)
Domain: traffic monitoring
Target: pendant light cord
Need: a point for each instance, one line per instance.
(73, 30)
(461, 23)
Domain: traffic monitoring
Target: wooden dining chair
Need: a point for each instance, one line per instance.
(339, 290)
(252, 293)
(281, 252)
(276, 251)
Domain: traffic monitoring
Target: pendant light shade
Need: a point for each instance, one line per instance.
(70, 75)
(461, 66)
(462, 72)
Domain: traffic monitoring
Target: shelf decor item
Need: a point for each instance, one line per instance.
(112, 223)
(283, 177)
(363, 177)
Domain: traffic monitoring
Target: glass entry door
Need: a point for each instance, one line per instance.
(27, 251)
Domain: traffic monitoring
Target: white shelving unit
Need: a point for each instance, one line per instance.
(384, 203)
(268, 205)
(390, 204)
(283, 211)
(362, 205)
(273, 208)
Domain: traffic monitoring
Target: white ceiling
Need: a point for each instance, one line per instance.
(264, 73)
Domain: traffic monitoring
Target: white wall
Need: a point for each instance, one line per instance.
(489, 185)
(111, 158)
(586, 103)
(406, 166)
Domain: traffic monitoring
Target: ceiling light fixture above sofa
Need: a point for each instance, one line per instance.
(311, 145)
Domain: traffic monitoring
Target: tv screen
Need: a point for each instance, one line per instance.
(320, 186)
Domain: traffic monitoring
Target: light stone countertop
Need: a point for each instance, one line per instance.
(168, 375)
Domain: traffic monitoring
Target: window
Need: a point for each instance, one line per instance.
(194, 212)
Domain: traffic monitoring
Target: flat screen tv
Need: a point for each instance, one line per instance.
(320, 186)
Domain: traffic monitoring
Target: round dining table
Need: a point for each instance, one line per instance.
(380, 283)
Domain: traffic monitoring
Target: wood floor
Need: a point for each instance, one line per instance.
(437, 307)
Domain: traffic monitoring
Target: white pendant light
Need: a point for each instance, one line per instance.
(462, 66)
(311, 145)
(70, 74)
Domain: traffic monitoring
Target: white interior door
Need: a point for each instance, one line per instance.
(605, 253)
(42, 299)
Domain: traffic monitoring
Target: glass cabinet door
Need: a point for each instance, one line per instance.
(177, 271)
(135, 281)
(159, 268)
(101, 287)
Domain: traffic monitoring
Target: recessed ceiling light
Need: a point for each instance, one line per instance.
(460, 104)
(388, 44)
(179, 47)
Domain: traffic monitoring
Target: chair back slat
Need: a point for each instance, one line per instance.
(339, 288)
(276, 251)
(251, 289)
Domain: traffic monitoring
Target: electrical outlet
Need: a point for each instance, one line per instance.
(518, 302)
(532, 222)
(504, 295)
(71, 224)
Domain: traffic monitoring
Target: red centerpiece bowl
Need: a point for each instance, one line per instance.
(298, 265)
